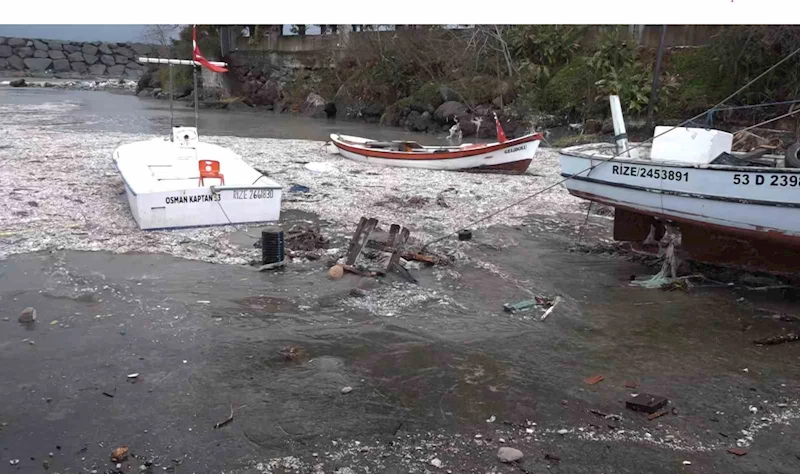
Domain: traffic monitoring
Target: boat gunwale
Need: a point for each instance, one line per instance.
(581, 151)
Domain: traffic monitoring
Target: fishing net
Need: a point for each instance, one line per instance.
(669, 267)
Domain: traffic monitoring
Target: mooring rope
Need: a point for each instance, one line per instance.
(592, 167)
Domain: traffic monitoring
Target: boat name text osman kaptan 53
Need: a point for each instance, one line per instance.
(237, 194)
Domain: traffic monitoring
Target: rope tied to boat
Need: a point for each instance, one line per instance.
(614, 156)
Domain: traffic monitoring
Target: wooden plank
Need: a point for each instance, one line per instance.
(398, 247)
(354, 239)
(356, 251)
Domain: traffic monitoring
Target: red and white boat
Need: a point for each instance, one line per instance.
(504, 156)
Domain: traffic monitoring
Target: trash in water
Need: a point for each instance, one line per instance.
(464, 235)
(646, 403)
(336, 272)
(347, 390)
(119, 454)
(297, 188)
(133, 376)
(28, 315)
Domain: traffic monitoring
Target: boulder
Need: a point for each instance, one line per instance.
(373, 111)
(392, 116)
(61, 65)
(466, 124)
(90, 59)
(448, 95)
(15, 42)
(18, 83)
(38, 64)
(132, 73)
(79, 67)
(89, 49)
(447, 111)
(3, 63)
(71, 48)
(97, 69)
(105, 48)
(117, 70)
(607, 126)
(107, 60)
(141, 49)
(506, 454)
(56, 45)
(134, 65)
(2, 40)
(124, 52)
(418, 122)
(238, 105)
(56, 54)
(593, 126)
(5, 51)
(40, 54)
(119, 59)
(25, 52)
(347, 102)
(314, 106)
(17, 63)
(40, 46)
(76, 56)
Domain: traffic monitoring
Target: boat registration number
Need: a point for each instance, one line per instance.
(643, 172)
(252, 194)
(782, 180)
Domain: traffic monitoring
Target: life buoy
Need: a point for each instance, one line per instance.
(792, 158)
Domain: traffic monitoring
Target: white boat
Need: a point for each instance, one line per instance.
(164, 187)
(689, 176)
(182, 182)
(504, 156)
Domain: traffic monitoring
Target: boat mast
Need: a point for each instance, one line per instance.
(194, 78)
(171, 112)
(181, 62)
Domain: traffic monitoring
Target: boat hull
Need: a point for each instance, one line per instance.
(164, 190)
(513, 156)
(751, 202)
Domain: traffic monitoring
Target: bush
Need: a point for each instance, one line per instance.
(571, 90)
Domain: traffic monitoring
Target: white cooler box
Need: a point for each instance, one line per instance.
(690, 145)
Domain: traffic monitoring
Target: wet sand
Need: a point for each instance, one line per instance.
(429, 364)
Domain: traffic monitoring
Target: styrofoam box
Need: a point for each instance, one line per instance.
(690, 145)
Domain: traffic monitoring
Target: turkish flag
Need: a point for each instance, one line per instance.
(501, 135)
(199, 57)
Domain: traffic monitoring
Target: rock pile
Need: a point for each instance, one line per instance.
(71, 59)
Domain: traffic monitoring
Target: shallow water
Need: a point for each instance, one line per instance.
(123, 112)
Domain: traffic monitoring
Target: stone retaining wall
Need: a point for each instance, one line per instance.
(70, 59)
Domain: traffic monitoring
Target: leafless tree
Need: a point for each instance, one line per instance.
(161, 36)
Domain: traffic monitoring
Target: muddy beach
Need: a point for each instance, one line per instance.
(441, 376)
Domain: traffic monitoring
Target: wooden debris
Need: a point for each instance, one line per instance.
(595, 379)
(737, 451)
(418, 257)
(657, 414)
(550, 310)
(783, 338)
(356, 271)
(360, 238)
(631, 384)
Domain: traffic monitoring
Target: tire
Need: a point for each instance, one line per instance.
(793, 156)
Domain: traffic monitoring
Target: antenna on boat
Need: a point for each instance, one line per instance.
(171, 111)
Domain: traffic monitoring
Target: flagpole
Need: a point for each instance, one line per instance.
(196, 93)
(194, 72)
(171, 113)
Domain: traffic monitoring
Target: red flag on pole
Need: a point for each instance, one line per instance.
(199, 57)
(501, 135)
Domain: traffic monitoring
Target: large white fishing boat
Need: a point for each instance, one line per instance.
(180, 181)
